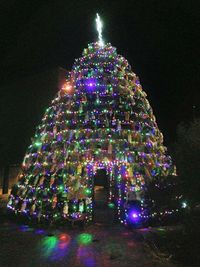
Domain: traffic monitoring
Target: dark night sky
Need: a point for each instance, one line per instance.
(160, 39)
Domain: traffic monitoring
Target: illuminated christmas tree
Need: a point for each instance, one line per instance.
(101, 118)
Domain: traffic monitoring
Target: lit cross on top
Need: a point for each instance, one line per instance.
(99, 29)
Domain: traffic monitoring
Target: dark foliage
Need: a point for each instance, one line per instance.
(187, 158)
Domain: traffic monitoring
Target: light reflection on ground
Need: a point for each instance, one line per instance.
(84, 239)
(40, 232)
(25, 228)
(48, 245)
(97, 246)
(54, 247)
(85, 256)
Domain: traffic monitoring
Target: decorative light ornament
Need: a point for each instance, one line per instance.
(184, 204)
(67, 87)
(134, 216)
(99, 25)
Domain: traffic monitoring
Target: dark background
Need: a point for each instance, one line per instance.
(160, 39)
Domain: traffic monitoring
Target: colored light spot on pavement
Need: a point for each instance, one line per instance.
(25, 228)
(131, 244)
(64, 239)
(161, 229)
(55, 248)
(49, 243)
(40, 232)
(84, 239)
(144, 230)
(126, 233)
(85, 256)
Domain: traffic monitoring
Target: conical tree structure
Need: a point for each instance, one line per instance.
(100, 118)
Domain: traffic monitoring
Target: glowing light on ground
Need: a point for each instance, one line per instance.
(48, 245)
(84, 239)
(85, 256)
(40, 232)
(25, 228)
(54, 248)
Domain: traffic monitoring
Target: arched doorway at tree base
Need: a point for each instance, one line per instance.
(102, 213)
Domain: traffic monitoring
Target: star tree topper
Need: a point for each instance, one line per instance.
(99, 26)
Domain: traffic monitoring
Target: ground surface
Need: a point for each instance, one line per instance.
(102, 244)
(98, 245)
